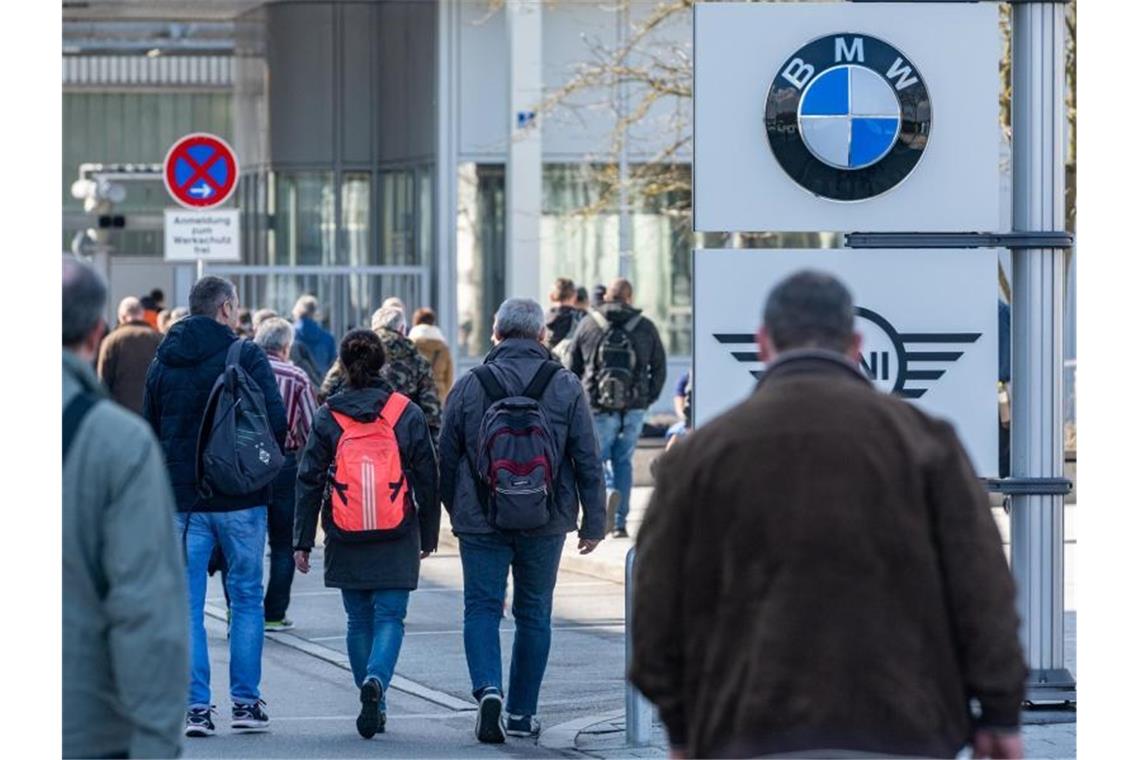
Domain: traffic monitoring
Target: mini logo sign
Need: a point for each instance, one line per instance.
(898, 363)
(848, 117)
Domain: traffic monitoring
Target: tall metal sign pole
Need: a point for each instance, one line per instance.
(1037, 531)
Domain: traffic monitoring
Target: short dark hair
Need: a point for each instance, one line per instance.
(583, 295)
(810, 309)
(208, 295)
(423, 316)
(84, 300)
(158, 295)
(620, 290)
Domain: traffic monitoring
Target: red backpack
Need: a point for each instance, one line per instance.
(369, 490)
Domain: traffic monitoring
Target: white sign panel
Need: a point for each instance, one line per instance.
(206, 235)
(928, 320)
(846, 117)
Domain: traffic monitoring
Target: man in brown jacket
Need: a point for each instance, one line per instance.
(126, 354)
(819, 570)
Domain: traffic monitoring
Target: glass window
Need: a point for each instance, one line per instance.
(425, 237)
(305, 222)
(480, 253)
(355, 210)
(397, 218)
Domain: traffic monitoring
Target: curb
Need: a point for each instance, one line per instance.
(564, 736)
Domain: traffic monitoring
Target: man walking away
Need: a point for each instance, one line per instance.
(563, 317)
(124, 595)
(404, 370)
(518, 409)
(621, 360)
(432, 346)
(841, 589)
(126, 354)
(178, 386)
(320, 342)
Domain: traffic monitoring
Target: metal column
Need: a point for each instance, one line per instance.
(524, 153)
(625, 231)
(1036, 527)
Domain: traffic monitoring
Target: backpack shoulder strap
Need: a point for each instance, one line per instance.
(233, 355)
(599, 318)
(346, 422)
(394, 408)
(631, 323)
(73, 415)
(546, 372)
(491, 385)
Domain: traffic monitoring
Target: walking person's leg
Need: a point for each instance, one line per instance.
(389, 608)
(199, 544)
(606, 428)
(359, 607)
(281, 565)
(486, 559)
(625, 444)
(242, 536)
(535, 571)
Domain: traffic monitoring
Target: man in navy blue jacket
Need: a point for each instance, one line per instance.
(178, 385)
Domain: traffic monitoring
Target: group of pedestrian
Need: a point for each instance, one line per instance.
(817, 569)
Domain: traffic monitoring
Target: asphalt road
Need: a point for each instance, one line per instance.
(312, 701)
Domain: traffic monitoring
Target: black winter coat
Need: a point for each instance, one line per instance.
(651, 368)
(178, 384)
(393, 564)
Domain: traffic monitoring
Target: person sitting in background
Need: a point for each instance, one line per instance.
(683, 408)
(376, 568)
(319, 341)
(126, 353)
(432, 345)
(124, 596)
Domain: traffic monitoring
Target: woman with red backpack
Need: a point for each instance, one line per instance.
(369, 470)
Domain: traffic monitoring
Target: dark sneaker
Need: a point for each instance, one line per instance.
(489, 721)
(523, 725)
(372, 717)
(272, 626)
(199, 722)
(620, 533)
(250, 718)
(612, 501)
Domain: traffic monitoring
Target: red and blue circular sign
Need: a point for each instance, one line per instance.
(200, 171)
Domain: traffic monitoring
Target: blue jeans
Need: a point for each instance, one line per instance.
(375, 632)
(533, 561)
(617, 439)
(241, 534)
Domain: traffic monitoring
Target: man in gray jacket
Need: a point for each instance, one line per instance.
(124, 597)
(532, 556)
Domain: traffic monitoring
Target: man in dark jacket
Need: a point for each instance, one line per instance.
(618, 418)
(319, 341)
(819, 570)
(190, 359)
(563, 316)
(124, 594)
(126, 353)
(488, 554)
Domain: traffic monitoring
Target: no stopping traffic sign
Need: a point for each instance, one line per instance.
(200, 171)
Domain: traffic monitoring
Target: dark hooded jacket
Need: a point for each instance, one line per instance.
(319, 341)
(560, 323)
(392, 564)
(650, 370)
(819, 569)
(579, 470)
(178, 384)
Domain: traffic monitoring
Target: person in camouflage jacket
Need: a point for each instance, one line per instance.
(405, 369)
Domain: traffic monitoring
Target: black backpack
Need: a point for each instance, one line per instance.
(237, 452)
(515, 453)
(615, 364)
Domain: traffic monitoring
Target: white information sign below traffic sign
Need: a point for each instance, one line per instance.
(864, 117)
(202, 235)
(928, 320)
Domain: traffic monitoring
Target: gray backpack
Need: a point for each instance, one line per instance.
(237, 452)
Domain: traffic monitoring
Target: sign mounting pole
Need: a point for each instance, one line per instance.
(1037, 520)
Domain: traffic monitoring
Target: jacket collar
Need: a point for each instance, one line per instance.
(517, 348)
(82, 373)
(426, 332)
(812, 361)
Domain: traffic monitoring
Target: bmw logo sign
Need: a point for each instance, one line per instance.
(848, 117)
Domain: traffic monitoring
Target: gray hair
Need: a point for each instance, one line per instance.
(306, 306)
(84, 298)
(261, 315)
(519, 318)
(274, 335)
(130, 308)
(209, 294)
(389, 318)
(810, 309)
(177, 313)
(393, 301)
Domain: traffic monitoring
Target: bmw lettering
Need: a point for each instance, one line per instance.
(848, 117)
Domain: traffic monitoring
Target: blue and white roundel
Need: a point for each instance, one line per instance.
(849, 117)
